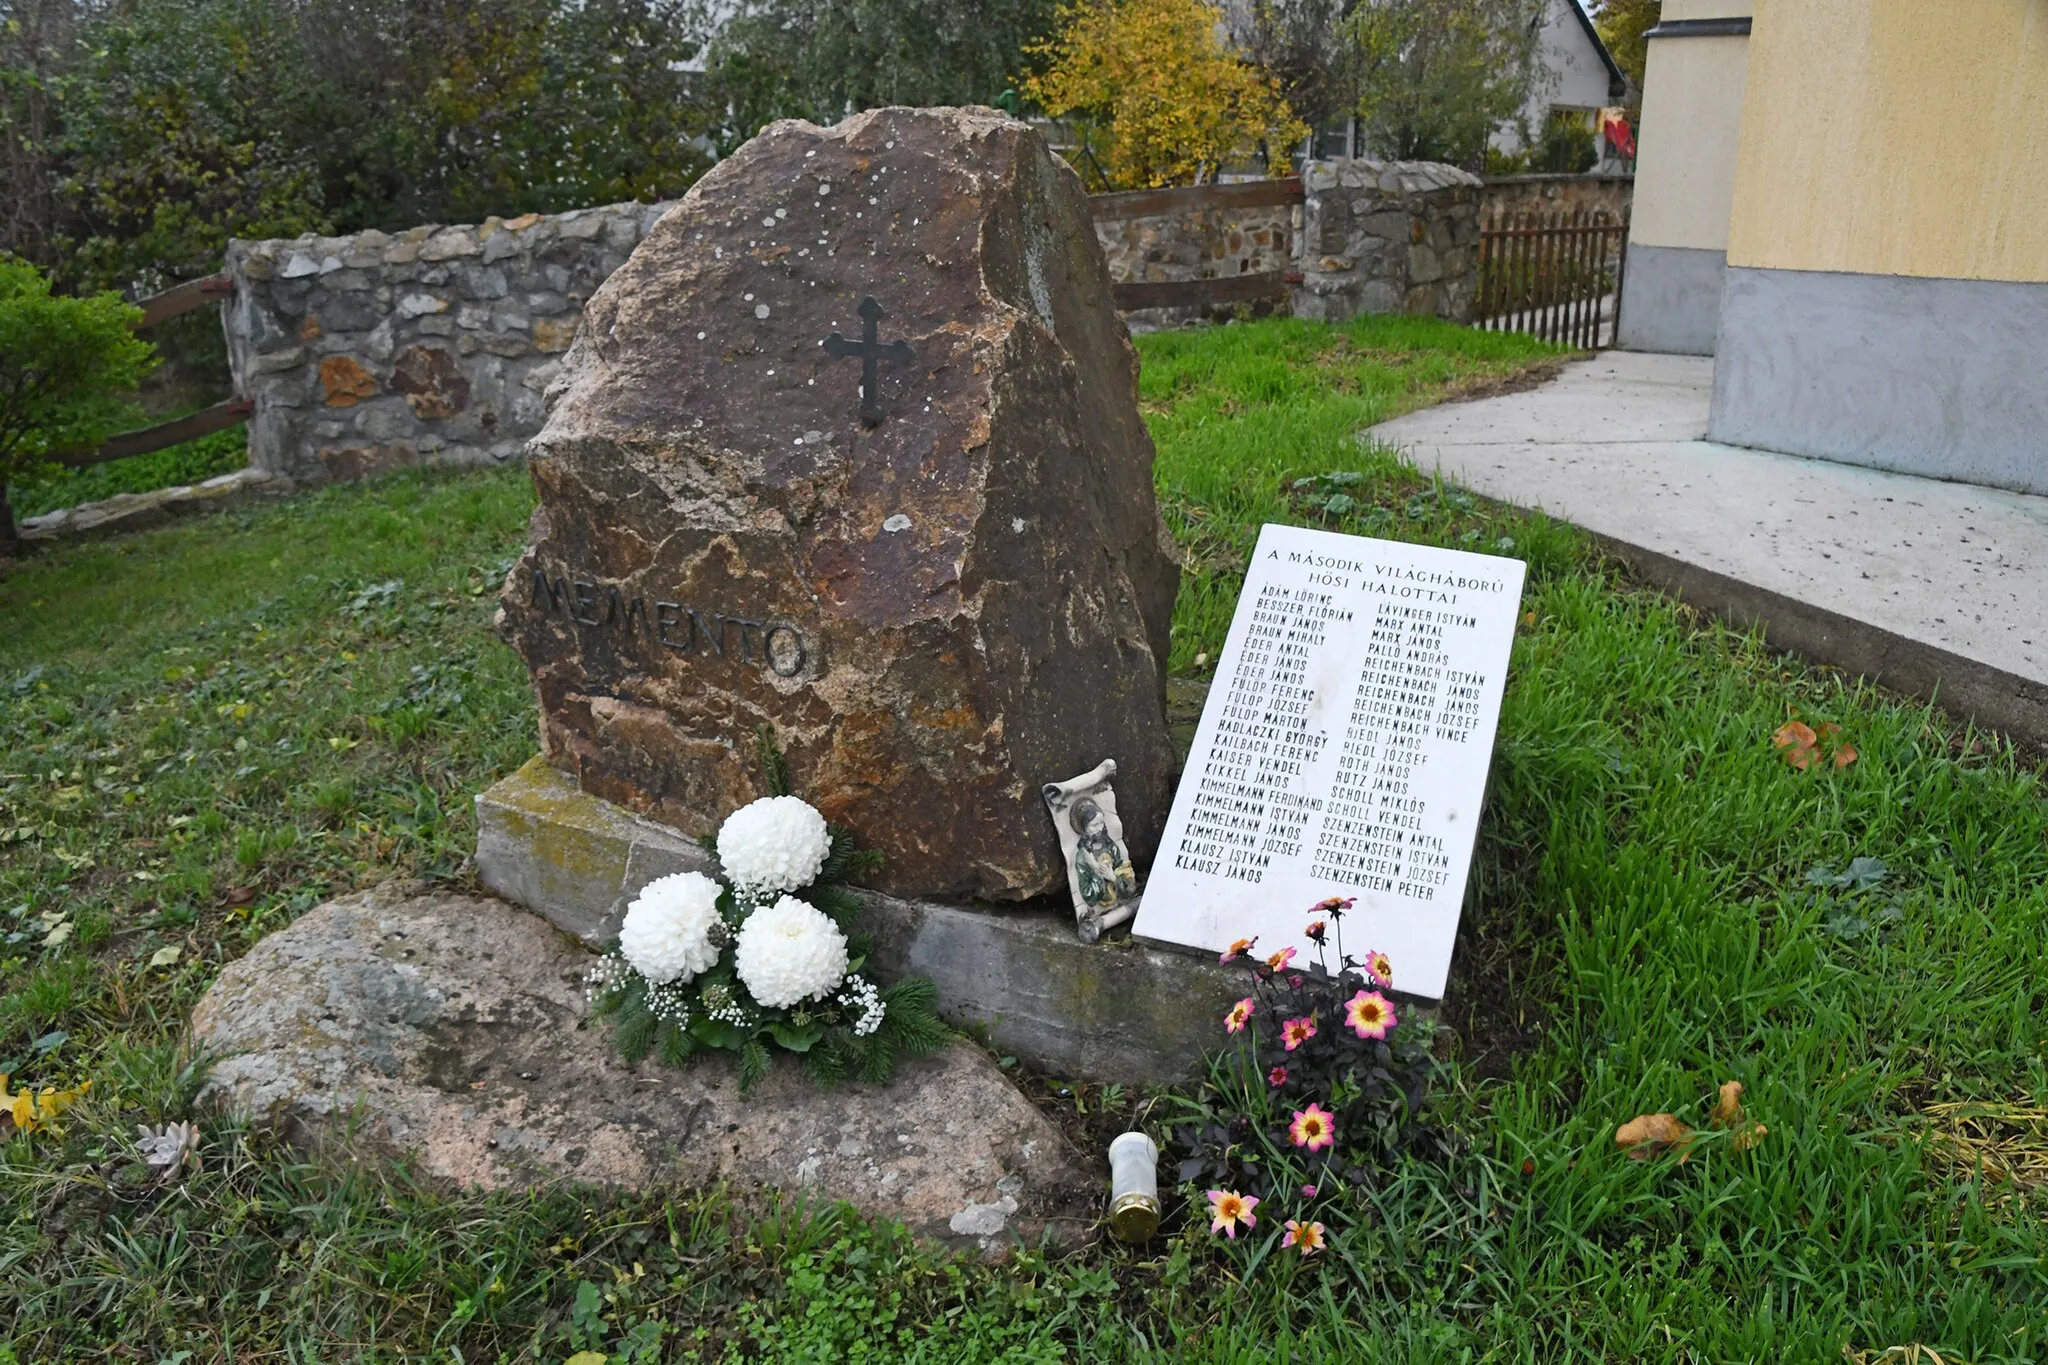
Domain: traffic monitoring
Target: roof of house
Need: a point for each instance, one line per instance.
(1617, 80)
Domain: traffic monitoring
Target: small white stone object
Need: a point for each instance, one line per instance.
(983, 1220)
(899, 522)
(760, 310)
(790, 952)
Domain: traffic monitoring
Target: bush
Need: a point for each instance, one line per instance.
(67, 369)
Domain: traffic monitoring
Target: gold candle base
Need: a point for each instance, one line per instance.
(1135, 1217)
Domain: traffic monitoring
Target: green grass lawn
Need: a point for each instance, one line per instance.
(191, 462)
(209, 728)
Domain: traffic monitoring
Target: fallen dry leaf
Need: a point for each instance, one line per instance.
(1796, 743)
(1729, 1110)
(1647, 1135)
(1845, 755)
(1728, 1114)
(239, 895)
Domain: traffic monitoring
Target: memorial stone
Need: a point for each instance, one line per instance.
(850, 450)
(1342, 751)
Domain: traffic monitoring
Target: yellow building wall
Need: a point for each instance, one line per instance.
(1705, 9)
(1895, 137)
(1692, 118)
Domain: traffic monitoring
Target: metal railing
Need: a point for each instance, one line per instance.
(1554, 276)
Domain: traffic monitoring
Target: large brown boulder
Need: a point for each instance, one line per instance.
(934, 606)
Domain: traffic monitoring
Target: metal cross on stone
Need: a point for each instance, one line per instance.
(869, 351)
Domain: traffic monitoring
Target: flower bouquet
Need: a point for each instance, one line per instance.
(770, 959)
(1320, 1091)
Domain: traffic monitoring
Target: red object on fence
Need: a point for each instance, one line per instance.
(1620, 136)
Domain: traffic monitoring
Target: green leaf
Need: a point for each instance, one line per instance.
(837, 901)
(825, 1065)
(717, 1033)
(754, 1064)
(774, 772)
(794, 1038)
(846, 858)
(910, 1022)
(634, 1034)
(676, 1044)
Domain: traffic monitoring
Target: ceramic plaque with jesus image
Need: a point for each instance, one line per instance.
(1342, 751)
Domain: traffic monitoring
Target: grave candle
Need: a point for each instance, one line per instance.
(1134, 1187)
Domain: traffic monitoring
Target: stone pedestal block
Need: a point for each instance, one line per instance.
(1096, 1011)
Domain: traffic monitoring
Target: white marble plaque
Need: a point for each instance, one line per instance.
(1342, 752)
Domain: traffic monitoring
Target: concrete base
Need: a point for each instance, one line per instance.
(1671, 299)
(1106, 1011)
(1935, 588)
(1921, 376)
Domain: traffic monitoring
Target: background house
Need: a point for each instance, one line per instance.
(1801, 213)
(1577, 77)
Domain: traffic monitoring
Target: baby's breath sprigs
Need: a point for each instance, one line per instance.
(860, 997)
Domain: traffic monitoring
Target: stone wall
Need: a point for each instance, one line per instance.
(1203, 232)
(435, 345)
(1388, 237)
(1517, 194)
(1202, 243)
(429, 346)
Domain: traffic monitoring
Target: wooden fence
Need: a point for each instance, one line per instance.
(1555, 276)
(173, 302)
(1261, 286)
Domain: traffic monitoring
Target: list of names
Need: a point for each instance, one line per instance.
(1342, 752)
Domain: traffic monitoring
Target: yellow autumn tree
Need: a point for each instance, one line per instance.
(1156, 98)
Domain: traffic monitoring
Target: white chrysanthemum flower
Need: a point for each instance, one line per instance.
(775, 844)
(668, 928)
(789, 952)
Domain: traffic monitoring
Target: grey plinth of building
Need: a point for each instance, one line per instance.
(1103, 1011)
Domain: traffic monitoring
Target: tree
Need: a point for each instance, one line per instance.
(1308, 47)
(67, 368)
(36, 42)
(825, 59)
(1157, 98)
(1439, 76)
(1622, 25)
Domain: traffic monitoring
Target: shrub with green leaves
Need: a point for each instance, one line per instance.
(68, 369)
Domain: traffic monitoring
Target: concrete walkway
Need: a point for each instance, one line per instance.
(1938, 589)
